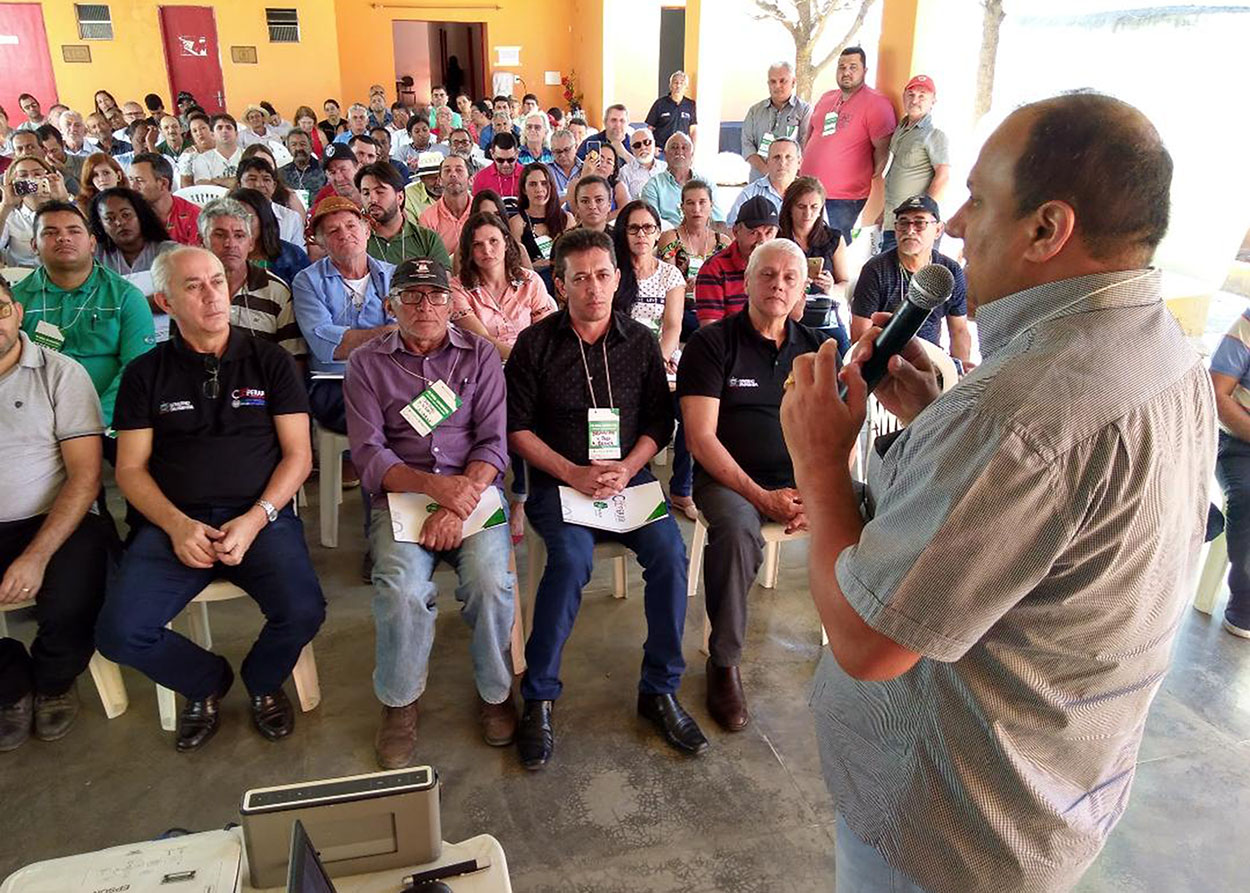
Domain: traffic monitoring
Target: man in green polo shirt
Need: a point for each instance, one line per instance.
(79, 308)
(395, 239)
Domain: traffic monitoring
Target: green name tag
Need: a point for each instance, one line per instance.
(544, 246)
(604, 427)
(48, 335)
(431, 407)
(831, 124)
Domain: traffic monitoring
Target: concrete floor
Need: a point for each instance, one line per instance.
(617, 809)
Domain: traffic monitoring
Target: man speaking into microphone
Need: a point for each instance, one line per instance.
(1001, 623)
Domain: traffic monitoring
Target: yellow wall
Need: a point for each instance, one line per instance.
(896, 47)
(585, 55)
(133, 62)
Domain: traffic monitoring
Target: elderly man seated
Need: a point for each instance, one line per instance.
(213, 445)
(588, 368)
(646, 162)
(663, 190)
(53, 549)
(730, 383)
(454, 457)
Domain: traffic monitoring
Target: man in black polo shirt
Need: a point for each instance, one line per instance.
(730, 383)
(213, 444)
(575, 367)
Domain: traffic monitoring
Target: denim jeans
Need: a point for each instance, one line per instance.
(662, 554)
(153, 586)
(1232, 469)
(842, 214)
(858, 868)
(682, 479)
(405, 608)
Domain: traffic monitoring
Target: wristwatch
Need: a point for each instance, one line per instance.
(267, 507)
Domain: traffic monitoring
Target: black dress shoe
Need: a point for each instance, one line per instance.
(534, 738)
(16, 720)
(675, 724)
(200, 719)
(273, 715)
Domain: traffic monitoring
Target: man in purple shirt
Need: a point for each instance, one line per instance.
(426, 413)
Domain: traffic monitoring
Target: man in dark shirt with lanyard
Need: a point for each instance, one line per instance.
(213, 443)
(568, 374)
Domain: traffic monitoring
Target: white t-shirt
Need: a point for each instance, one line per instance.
(212, 165)
(290, 224)
(15, 238)
(648, 309)
(183, 164)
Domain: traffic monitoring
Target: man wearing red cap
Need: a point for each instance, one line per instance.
(919, 155)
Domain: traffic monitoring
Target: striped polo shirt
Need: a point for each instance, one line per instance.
(263, 306)
(720, 288)
(1032, 536)
(1232, 358)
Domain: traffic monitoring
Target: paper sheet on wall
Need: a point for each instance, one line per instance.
(409, 512)
(628, 510)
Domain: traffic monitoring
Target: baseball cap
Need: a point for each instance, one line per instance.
(420, 271)
(919, 203)
(337, 152)
(332, 204)
(758, 211)
(429, 163)
(922, 82)
(184, 95)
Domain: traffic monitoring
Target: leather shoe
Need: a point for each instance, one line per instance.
(498, 721)
(15, 722)
(725, 699)
(199, 719)
(534, 738)
(396, 741)
(273, 715)
(675, 724)
(55, 714)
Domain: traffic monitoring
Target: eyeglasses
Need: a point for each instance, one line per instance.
(647, 229)
(917, 225)
(413, 298)
(640, 143)
(211, 386)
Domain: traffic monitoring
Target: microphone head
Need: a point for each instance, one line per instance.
(932, 285)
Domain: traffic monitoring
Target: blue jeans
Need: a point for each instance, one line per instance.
(842, 214)
(682, 479)
(1232, 469)
(661, 553)
(153, 586)
(405, 608)
(858, 868)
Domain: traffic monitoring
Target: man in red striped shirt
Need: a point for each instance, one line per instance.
(720, 289)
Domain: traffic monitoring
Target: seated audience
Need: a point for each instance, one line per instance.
(503, 175)
(688, 245)
(619, 362)
(803, 222)
(99, 172)
(333, 124)
(53, 548)
(577, 126)
(172, 140)
(29, 184)
(258, 129)
(282, 195)
(200, 128)
(783, 167)
(885, 278)
(462, 143)
(260, 302)
(379, 114)
(438, 100)
(488, 202)
(394, 238)
(152, 176)
(357, 123)
(645, 164)
(213, 446)
(74, 135)
(304, 172)
(282, 258)
(500, 122)
(127, 232)
(426, 188)
(419, 140)
(540, 219)
(453, 465)
(444, 124)
(565, 165)
(101, 134)
(257, 173)
(306, 120)
(720, 288)
(220, 164)
(448, 215)
(663, 191)
(340, 165)
(592, 203)
(534, 140)
(340, 302)
(70, 286)
(382, 137)
(52, 150)
(366, 150)
(743, 476)
(604, 163)
(615, 133)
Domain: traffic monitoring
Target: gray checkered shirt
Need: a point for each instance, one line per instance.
(1033, 537)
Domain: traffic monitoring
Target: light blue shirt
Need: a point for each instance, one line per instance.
(562, 181)
(763, 186)
(325, 310)
(663, 193)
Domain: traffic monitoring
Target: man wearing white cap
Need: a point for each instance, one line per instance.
(919, 154)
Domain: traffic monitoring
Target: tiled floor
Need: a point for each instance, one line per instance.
(616, 810)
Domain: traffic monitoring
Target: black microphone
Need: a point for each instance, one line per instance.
(931, 287)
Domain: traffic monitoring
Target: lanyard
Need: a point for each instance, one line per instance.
(43, 299)
(428, 381)
(607, 371)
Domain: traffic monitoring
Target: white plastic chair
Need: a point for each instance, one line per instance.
(201, 193)
(330, 448)
(307, 685)
(1214, 566)
(106, 674)
(537, 562)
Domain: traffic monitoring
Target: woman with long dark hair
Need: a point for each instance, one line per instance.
(541, 219)
(100, 171)
(803, 222)
(127, 231)
(280, 257)
(334, 123)
(107, 105)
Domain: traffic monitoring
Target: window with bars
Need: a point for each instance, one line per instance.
(94, 21)
(283, 25)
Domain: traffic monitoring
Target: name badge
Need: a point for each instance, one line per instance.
(544, 245)
(766, 142)
(604, 427)
(831, 124)
(48, 335)
(431, 407)
(693, 266)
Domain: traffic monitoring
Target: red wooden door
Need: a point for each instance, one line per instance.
(190, 35)
(25, 66)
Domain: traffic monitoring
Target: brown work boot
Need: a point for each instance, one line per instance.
(725, 699)
(396, 741)
(498, 721)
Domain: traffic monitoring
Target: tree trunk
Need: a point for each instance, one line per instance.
(803, 75)
(990, 25)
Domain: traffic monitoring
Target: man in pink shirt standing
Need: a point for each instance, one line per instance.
(504, 176)
(848, 141)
